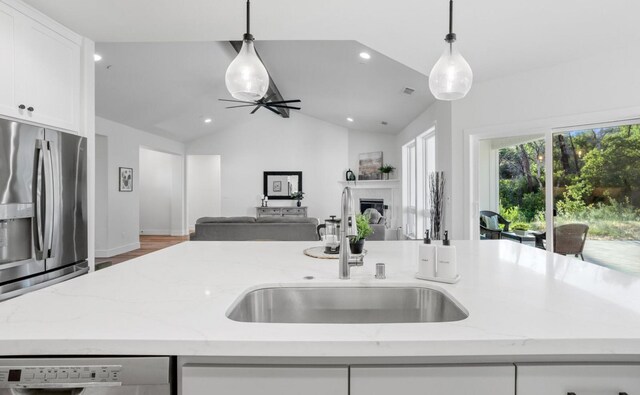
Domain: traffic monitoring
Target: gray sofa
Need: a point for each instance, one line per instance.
(252, 229)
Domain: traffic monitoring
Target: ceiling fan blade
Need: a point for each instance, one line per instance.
(282, 106)
(285, 101)
(237, 101)
(272, 110)
(243, 105)
(255, 109)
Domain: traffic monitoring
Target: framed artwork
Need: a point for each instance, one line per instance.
(126, 179)
(370, 163)
(281, 184)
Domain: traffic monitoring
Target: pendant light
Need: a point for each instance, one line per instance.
(451, 77)
(247, 78)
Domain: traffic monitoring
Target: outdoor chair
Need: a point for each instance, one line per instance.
(568, 239)
(487, 231)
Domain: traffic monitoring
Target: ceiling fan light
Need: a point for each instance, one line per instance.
(246, 77)
(451, 77)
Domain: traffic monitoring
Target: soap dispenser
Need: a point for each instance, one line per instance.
(427, 255)
(447, 267)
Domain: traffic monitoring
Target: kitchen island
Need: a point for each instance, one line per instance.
(525, 305)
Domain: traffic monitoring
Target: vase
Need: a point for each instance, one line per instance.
(357, 247)
(299, 204)
(385, 176)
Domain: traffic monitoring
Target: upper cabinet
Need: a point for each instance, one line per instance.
(40, 72)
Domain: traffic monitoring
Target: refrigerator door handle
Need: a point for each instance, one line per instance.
(38, 199)
(49, 202)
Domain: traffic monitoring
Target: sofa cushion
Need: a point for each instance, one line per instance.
(374, 215)
(218, 220)
(288, 220)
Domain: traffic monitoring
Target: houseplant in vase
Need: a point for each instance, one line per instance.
(356, 243)
(386, 170)
(298, 196)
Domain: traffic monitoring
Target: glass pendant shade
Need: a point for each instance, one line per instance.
(451, 77)
(247, 78)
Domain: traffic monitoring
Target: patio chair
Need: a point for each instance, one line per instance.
(486, 231)
(568, 239)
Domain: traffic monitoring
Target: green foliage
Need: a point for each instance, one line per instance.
(573, 203)
(298, 195)
(519, 226)
(364, 229)
(387, 168)
(511, 214)
(532, 203)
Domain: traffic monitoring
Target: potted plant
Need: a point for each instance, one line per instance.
(386, 170)
(356, 243)
(519, 228)
(298, 196)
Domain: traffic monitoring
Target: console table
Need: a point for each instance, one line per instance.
(281, 212)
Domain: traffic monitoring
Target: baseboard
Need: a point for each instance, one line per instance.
(162, 232)
(117, 251)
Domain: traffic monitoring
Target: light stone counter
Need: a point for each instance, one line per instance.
(522, 302)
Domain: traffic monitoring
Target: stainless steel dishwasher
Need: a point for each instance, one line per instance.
(86, 376)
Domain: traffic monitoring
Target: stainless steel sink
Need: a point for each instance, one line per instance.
(346, 305)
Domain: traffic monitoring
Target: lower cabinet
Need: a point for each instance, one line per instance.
(588, 379)
(433, 380)
(207, 380)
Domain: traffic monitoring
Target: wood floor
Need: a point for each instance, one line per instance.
(148, 244)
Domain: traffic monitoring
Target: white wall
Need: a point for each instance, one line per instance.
(488, 176)
(363, 142)
(101, 193)
(124, 145)
(583, 91)
(158, 202)
(204, 194)
(264, 142)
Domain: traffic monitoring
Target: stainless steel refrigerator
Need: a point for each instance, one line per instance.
(43, 207)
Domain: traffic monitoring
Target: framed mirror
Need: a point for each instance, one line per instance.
(282, 184)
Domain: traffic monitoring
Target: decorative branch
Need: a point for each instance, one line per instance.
(436, 189)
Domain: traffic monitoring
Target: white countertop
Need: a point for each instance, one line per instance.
(521, 301)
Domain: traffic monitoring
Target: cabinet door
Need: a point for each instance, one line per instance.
(578, 379)
(433, 380)
(47, 75)
(7, 60)
(207, 380)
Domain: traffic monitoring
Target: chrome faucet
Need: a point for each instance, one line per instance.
(348, 228)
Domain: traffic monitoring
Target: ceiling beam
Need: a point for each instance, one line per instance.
(273, 93)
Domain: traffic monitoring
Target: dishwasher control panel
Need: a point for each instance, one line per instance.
(49, 376)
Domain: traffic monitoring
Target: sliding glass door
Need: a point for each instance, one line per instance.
(596, 195)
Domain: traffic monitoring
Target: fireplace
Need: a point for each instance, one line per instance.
(377, 204)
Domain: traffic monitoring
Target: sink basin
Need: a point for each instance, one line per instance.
(346, 305)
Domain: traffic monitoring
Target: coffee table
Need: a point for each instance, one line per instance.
(527, 236)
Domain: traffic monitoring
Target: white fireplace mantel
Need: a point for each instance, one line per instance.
(372, 184)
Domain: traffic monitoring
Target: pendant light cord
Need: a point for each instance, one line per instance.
(451, 37)
(248, 16)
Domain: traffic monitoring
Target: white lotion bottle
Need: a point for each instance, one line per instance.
(447, 267)
(427, 255)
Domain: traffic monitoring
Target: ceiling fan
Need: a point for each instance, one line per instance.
(272, 106)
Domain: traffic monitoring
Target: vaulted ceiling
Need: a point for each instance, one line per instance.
(498, 37)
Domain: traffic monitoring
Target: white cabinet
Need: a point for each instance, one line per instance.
(584, 379)
(433, 380)
(207, 380)
(7, 60)
(40, 72)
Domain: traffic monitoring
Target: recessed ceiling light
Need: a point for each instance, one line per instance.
(350, 119)
(97, 57)
(365, 55)
(208, 120)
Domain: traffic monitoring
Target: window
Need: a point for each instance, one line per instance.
(418, 161)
